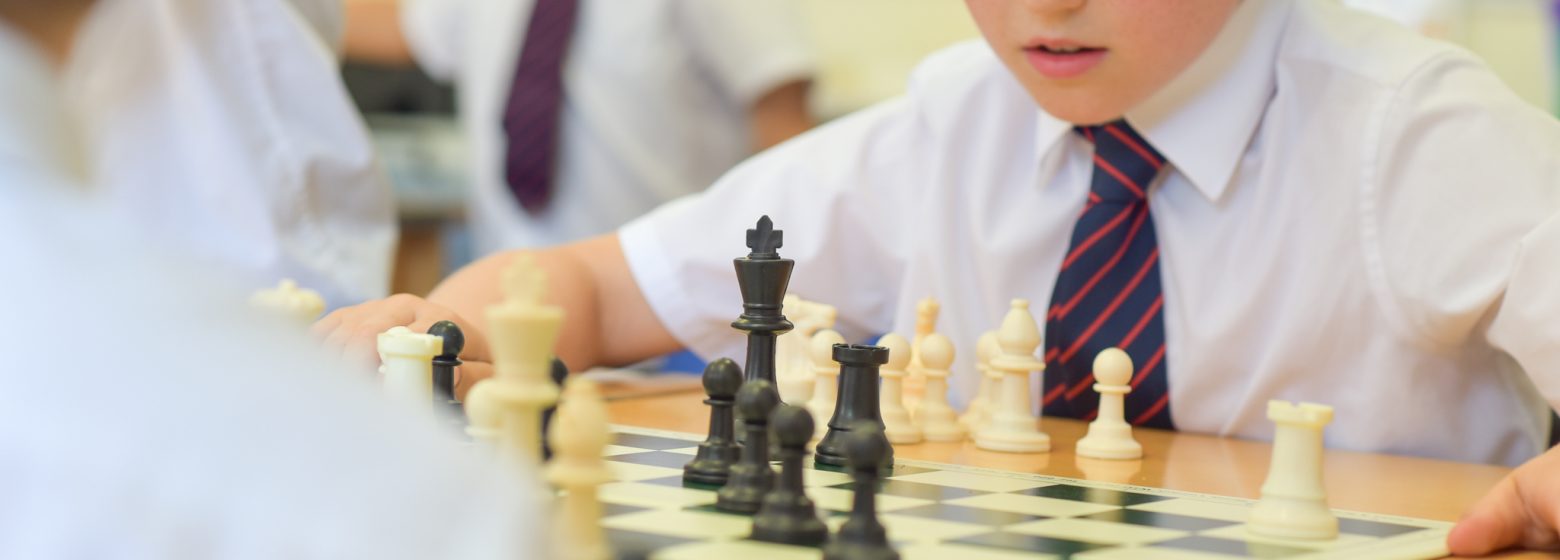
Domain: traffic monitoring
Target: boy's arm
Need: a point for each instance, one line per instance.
(780, 114)
(373, 33)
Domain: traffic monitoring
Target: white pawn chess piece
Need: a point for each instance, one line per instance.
(578, 436)
(891, 399)
(926, 312)
(521, 333)
(1013, 427)
(935, 418)
(1110, 436)
(979, 410)
(1294, 502)
(288, 300)
(406, 368)
(483, 414)
(826, 376)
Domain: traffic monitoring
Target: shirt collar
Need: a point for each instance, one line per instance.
(1203, 120)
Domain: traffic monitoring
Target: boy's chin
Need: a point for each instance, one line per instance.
(1081, 107)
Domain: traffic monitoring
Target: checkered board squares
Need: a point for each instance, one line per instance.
(948, 511)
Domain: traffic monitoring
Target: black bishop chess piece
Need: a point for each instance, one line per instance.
(719, 451)
(763, 276)
(444, 366)
(751, 478)
(857, 400)
(788, 515)
(863, 537)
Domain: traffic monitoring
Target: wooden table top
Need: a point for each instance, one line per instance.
(1389, 484)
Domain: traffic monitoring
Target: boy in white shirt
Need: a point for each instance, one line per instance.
(1256, 200)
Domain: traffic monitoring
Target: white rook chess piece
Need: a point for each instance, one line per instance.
(896, 418)
(1110, 436)
(1013, 428)
(288, 300)
(406, 359)
(1294, 503)
(578, 436)
(521, 333)
(935, 418)
(826, 377)
(979, 410)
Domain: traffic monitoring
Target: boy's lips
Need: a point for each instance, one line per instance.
(1062, 59)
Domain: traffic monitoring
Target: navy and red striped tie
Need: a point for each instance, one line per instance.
(531, 116)
(1108, 292)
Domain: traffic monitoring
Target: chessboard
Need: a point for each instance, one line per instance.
(935, 510)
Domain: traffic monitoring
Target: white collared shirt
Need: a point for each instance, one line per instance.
(1354, 216)
(222, 128)
(656, 101)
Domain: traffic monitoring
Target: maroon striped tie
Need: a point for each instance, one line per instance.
(531, 117)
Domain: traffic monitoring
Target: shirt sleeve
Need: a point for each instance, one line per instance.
(751, 46)
(841, 194)
(435, 32)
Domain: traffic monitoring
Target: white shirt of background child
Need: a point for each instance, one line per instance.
(1355, 216)
(656, 103)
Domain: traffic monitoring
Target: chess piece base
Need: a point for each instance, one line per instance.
(1291, 518)
(1013, 442)
(1109, 442)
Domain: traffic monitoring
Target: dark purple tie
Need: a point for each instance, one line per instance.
(531, 117)
(1108, 292)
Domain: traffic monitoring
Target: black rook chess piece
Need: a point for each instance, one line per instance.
(762, 276)
(787, 515)
(857, 399)
(719, 451)
(751, 478)
(862, 537)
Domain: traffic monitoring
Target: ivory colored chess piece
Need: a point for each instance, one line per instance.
(926, 312)
(1013, 428)
(483, 417)
(1294, 502)
(288, 300)
(935, 418)
(1110, 436)
(826, 377)
(406, 365)
(521, 332)
(794, 372)
(577, 436)
(896, 418)
(979, 410)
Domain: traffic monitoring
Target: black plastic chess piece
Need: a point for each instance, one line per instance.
(857, 399)
(787, 515)
(763, 276)
(448, 359)
(559, 372)
(719, 451)
(751, 478)
(862, 537)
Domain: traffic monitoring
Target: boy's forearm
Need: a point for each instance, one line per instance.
(373, 33)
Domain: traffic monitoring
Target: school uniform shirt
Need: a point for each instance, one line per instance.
(223, 129)
(1353, 215)
(152, 414)
(655, 102)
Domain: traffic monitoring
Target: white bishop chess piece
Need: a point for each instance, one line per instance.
(1294, 502)
(1013, 427)
(935, 418)
(1110, 436)
(826, 379)
(578, 436)
(891, 399)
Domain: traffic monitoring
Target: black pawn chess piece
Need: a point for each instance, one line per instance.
(719, 451)
(559, 372)
(862, 537)
(751, 478)
(857, 400)
(763, 277)
(444, 366)
(787, 515)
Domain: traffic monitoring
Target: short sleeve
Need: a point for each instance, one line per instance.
(841, 193)
(750, 46)
(435, 32)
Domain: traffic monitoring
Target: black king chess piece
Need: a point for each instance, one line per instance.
(719, 451)
(857, 400)
(787, 515)
(862, 537)
(762, 276)
(751, 478)
(444, 366)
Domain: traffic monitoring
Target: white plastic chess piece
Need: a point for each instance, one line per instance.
(926, 312)
(891, 400)
(484, 418)
(979, 410)
(935, 418)
(1294, 503)
(826, 376)
(406, 359)
(1110, 436)
(1013, 428)
(521, 333)
(287, 299)
(794, 373)
(578, 436)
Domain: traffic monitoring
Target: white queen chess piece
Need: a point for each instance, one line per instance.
(1294, 502)
(1110, 436)
(1013, 427)
(891, 399)
(933, 415)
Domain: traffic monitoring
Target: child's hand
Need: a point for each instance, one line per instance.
(354, 331)
(1522, 511)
